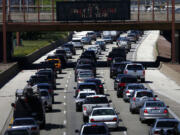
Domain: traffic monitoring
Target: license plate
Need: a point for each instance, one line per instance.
(155, 111)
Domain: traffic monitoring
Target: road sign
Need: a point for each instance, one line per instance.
(93, 10)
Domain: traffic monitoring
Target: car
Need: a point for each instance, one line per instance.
(57, 63)
(85, 86)
(89, 53)
(81, 97)
(35, 79)
(98, 83)
(152, 110)
(86, 40)
(163, 126)
(130, 88)
(85, 61)
(51, 75)
(95, 49)
(60, 51)
(68, 52)
(113, 69)
(28, 123)
(135, 69)
(121, 81)
(63, 59)
(46, 98)
(107, 39)
(71, 47)
(139, 97)
(92, 102)
(117, 60)
(17, 131)
(97, 128)
(84, 75)
(92, 35)
(132, 37)
(106, 115)
(124, 42)
(102, 44)
(46, 86)
(77, 43)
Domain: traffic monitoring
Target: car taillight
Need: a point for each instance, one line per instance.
(144, 72)
(109, 58)
(134, 99)
(156, 132)
(100, 86)
(125, 72)
(115, 119)
(127, 91)
(78, 90)
(92, 120)
(154, 99)
(34, 128)
(84, 108)
(145, 111)
(50, 90)
(122, 84)
(165, 111)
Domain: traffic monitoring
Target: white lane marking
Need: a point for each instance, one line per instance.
(66, 85)
(64, 103)
(64, 112)
(105, 89)
(65, 90)
(64, 133)
(173, 114)
(125, 133)
(65, 122)
(64, 97)
(67, 81)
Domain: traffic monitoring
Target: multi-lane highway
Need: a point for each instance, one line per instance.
(64, 119)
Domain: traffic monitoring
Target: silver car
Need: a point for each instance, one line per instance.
(138, 99)
(129, 89)
(46, 98)
(81, 97)
(68, 52)
(28, 123)
(153, 110)
(106, 115)
(163, 126)
(85, 75)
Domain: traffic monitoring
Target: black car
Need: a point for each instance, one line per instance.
(50, 74)
(71, 47)
(85, 61)
(34, 79)
(121, 81)
(63, 59)
(98, 83)
(89, 53)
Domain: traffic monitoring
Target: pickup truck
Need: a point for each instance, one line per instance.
(135, 69)
(93, 101)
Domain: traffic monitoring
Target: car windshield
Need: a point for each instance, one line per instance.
(134, 67)
(76, 41)
(136, 87)
(88, 130)
(95, 81)
(85, 75)
(23, 122)
(44, 93)
(17, 132)
(103, 112)
(96, 100)
(155, 104)
(143, 94)
(93, 87)
(166, 124)
(84, 95)
(106, 37)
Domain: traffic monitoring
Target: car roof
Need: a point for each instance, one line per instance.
(87, 91)
(96, 96)
(25, 118)
(93, 79)
(43, 84)
(98, 108)
(151, 101)
(44, 90)
(134, 84)
(166, 119)
(143, 90)
(87, 83)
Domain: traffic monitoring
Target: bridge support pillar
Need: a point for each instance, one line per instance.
(177, 46)
(18, 38)
(9, 46)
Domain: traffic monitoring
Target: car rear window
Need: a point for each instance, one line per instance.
(96, 100)
(93, 87)
(134, 67)
(44, 87)
(136, 87)
(129, 80)
(103, 112)
(85, 75)
(143, 94)
(23, 122)
(94, 130)
(44, 93)
(166, 124)
(84, 95)
(95, 81)
(155, 104)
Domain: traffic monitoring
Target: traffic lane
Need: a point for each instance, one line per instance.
(130, 121)
(56, 120)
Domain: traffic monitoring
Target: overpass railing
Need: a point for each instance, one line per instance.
(141, 10)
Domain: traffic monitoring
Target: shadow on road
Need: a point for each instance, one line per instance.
(50, 126)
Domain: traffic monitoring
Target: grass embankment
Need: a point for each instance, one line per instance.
(30, 46)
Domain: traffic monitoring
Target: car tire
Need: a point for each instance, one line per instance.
(42, 125)
(50, 108)
(143, 80)
(85, 119)
(60, 71)
(142, 121)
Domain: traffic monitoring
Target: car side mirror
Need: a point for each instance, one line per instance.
(13, 104)
(76, 131)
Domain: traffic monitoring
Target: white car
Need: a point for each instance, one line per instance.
(81, 97)
(77, 43)
(106, 115)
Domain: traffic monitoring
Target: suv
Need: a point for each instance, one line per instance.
(121, 81)
(92, 102)
(139, 97)
(94, 129)
(135, 70)
(113, 69)
(92, 35)
(71, 47)
(77, 43)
